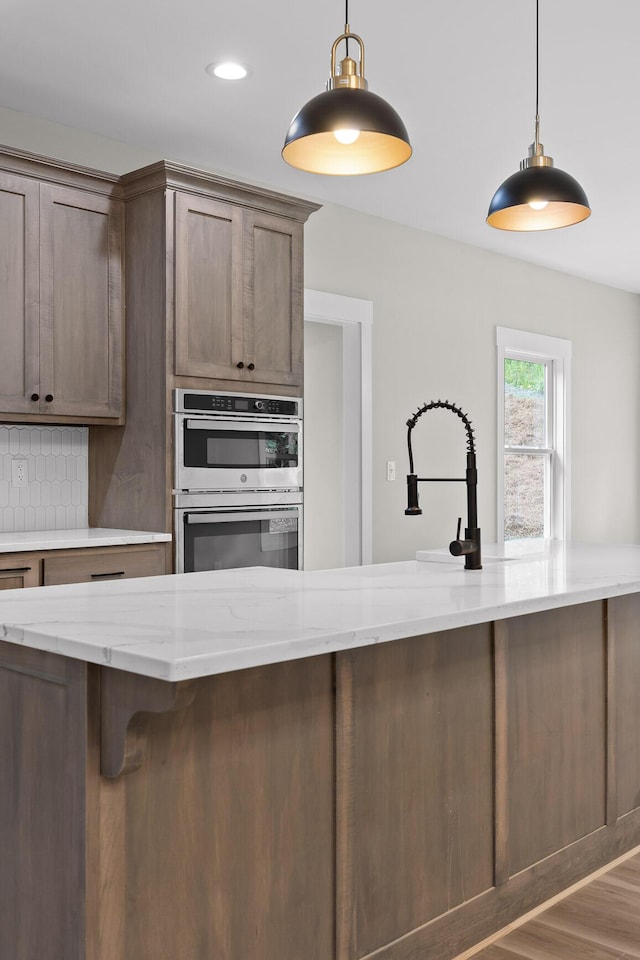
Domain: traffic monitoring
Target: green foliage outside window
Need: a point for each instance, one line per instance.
(523, 375)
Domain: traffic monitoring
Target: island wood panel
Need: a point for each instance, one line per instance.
(105, 837)
(229, 823)
(422, 783)
(42, 750)
(556, 717)
(254, 830)
(624, 618)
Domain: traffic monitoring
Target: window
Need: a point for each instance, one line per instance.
(533, 435)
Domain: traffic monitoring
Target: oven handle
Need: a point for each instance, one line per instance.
(224, 516)
(255, 426)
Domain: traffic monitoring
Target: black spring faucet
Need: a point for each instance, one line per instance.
(470, 547)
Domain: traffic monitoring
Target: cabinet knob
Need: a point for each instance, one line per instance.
(49, 397)
(35, 396)
(240, 365)
(251, 366)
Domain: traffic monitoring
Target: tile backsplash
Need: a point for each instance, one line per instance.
(56, 493)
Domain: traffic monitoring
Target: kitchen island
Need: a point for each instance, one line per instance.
(389, 761)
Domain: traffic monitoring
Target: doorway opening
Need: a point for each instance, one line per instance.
(337, 431)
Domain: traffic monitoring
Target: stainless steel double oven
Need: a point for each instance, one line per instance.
(238, 493)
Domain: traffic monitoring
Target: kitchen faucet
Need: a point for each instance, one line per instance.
(470, 546)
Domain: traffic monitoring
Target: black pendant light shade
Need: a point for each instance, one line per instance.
(538, 198)
(347, 130)
(311, 143)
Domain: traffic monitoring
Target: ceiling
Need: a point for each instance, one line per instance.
(461, 74)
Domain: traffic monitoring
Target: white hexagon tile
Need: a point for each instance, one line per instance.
(54, 464)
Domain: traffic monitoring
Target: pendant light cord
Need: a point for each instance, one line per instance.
(346, 21)
(537, 55)
(536, 146)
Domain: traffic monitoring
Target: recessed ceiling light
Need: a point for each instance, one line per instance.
(228, 70)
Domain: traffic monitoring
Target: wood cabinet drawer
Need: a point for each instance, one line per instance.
(94, 565)
(19, 570)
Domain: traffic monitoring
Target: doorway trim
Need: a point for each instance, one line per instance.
(356, 319)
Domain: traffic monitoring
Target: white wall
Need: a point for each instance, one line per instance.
(24, 132)
(436, 305)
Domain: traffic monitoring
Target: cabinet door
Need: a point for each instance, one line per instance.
(208, 288)
(273, 299)
(19, 570)
(81, 304)
(19, 281)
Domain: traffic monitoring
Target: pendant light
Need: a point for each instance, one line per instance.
(347, 130)
(539, 196)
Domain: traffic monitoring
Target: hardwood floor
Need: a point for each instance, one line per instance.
(600, 921)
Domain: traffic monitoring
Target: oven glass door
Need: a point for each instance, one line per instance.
(223, 454)
(222, 539)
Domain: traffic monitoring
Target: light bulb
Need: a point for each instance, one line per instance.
(538, 204)
(346, 136)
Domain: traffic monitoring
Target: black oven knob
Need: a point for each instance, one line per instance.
(258, 404)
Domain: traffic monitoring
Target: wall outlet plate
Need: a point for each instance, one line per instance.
(19, 472)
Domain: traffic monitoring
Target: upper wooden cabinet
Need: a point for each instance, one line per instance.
(61, 320)
(236, 287)
(238, 293)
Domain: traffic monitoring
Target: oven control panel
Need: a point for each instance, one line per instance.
(229, 403)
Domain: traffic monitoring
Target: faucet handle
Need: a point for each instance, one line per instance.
(413, 507)
(462, 548)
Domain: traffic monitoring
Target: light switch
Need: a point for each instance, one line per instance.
(391, 469)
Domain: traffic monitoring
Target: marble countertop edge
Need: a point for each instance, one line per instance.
(194, 625)
(27, 540)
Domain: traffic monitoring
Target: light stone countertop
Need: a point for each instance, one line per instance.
(197, 624)
(68, 539)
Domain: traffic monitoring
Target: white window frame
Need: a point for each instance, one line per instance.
(556, 354)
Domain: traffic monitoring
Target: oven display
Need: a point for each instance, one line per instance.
(205, 402)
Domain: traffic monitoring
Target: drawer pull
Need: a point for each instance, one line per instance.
(15, 570)
(35, 396)
(49, 397)
(115, 573)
